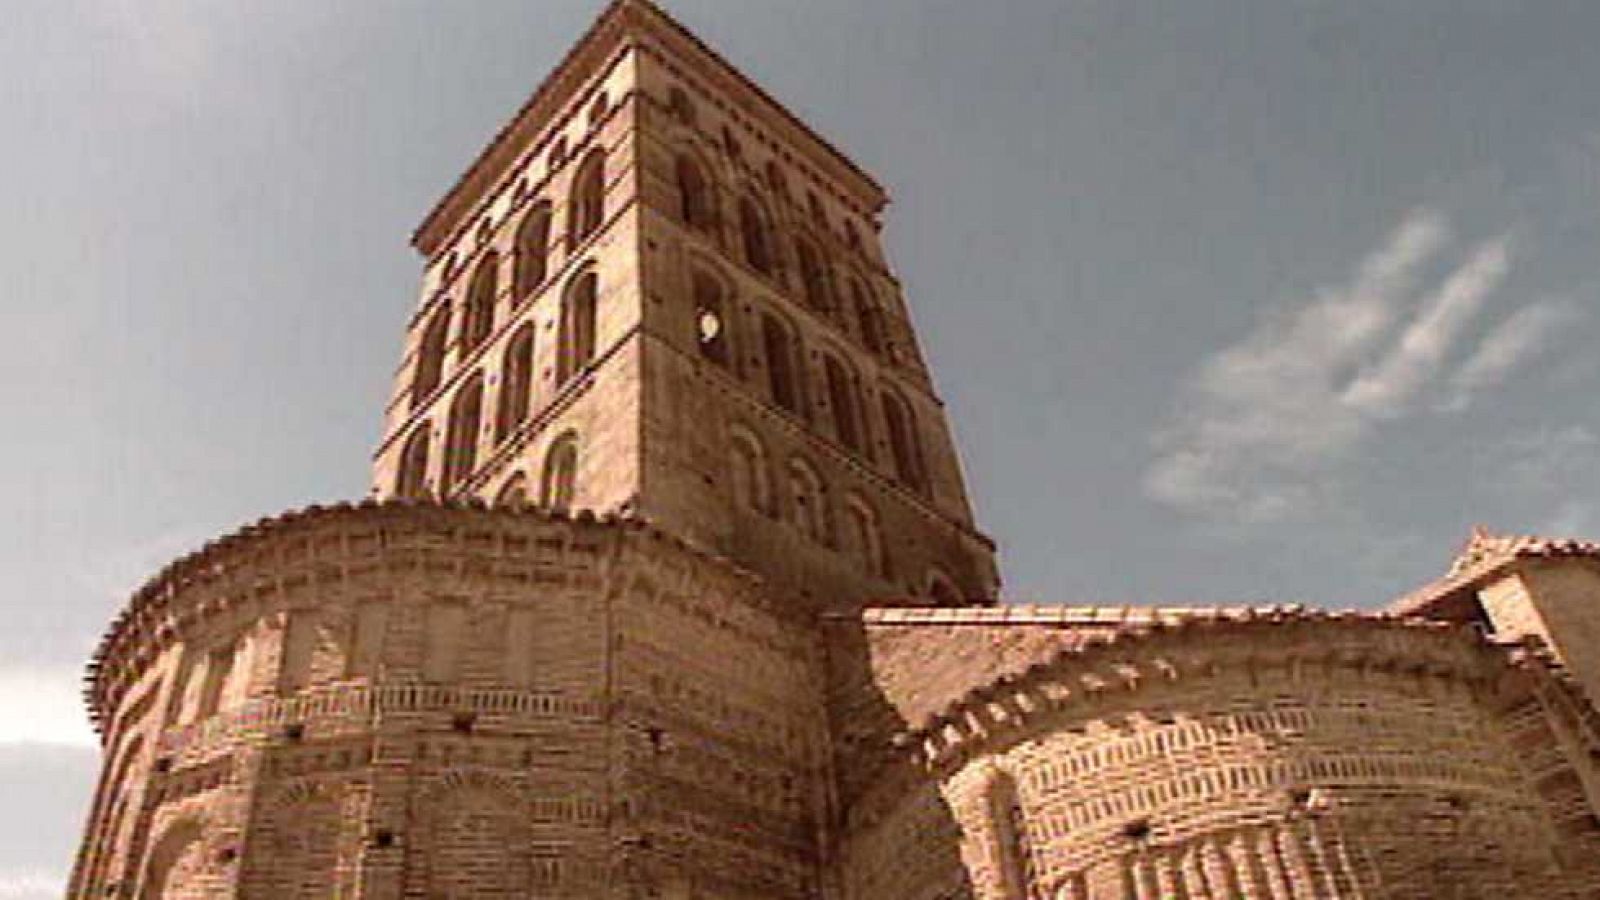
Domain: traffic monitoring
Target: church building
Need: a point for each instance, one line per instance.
(668, 586)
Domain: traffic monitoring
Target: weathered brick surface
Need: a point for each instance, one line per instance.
(1277, 756)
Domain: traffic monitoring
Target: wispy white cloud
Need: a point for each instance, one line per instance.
(30, 886)
(42, 706)
(1386, 388)
(1264, 424)
(1522, 335)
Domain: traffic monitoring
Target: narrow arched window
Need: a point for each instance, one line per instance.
(214, 685)
(533, 252)
(559, 483)
(461, 436)
(586, 210)
(818, 214)
(753, 230)
(577, 339)
(842, 399)
(514, 492)
(710, 321)
(813, 276)
(695, 205)
(776, 181)
(598, 110)
(751, 482)
(869, 320)
(479, 319)
(808, 503)
(942, 590)
(904, 445)
(780, 363)
(516, 383)
(681, 107)
(867, 538)
(852, 235)
(430, 357)
(412, 481)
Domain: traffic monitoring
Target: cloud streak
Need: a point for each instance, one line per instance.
(1264, 424)
(1523, 335)
(42, 706)
(30, 886)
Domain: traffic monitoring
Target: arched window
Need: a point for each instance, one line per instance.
(776, 181)
(412, 482)
(780, 363)
(942, 590)
(516, 383)
(752, 485)
(808, 502)
(818, 214)
(177, 864)
(598, 110)
(576, 346)
(558, 154)
(866, 537)
(559, 484)
(681, 107)
(710, 320)
(753, 230)
(586, 210)
(514, 492)
(214, 685)
(842, 398)
(852, 235)
(533, 252)
(480, 303)
(812, 276)
(869, 319)
(430, 357)
(904, 445)
(461, 436)
(696, 207)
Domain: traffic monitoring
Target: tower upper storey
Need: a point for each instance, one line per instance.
(657, 292)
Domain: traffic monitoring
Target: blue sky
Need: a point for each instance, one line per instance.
(1230, 302)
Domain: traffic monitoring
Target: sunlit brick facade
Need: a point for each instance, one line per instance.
(669, 587)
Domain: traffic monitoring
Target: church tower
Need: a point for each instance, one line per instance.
(657, 293)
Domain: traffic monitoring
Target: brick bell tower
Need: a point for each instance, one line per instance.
(658, 293)
(658, 352)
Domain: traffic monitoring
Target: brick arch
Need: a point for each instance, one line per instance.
(475, 779)
(758, 231)
(751, 468)
(843, 385)
(810, 506)
(711, 291)
(175, 868)
(472, 838)
(866, 535)
(689, 159)
(301, 842)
